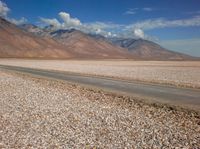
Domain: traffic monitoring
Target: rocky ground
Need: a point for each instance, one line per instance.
(41, 113)
(178, 73)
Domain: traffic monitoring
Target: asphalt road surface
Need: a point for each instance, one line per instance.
(184, 97)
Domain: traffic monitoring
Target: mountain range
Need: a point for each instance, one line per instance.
(30, 41)
(16, 42)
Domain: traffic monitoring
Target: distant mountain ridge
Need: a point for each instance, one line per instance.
(139, 48)
(144, 49)
(33, 42)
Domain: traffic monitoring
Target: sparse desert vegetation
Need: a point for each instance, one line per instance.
(179, 73)
(41, 113)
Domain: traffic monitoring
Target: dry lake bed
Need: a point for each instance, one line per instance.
(179, 73)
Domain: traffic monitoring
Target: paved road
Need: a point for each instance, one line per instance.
(189, 98)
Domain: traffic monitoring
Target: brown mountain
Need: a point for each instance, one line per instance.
(138, 48)
(83, 44)
(18, 43)
(148, 50)
(29, 41)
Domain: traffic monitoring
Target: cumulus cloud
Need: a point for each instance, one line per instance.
(53, 22)
(163, 23)
(3, 9)
(139, 33)
(68, 21)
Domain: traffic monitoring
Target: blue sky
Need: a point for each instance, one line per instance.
(175, 24)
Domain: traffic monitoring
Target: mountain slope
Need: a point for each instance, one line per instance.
(147, 50)
(33, 29)
(18, 43)
(84, 44)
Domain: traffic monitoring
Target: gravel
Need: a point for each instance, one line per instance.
(42, 113)
(179, 73)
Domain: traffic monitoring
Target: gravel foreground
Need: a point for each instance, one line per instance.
(41, 113)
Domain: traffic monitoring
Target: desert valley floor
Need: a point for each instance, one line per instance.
(178, 73)
(43, 113)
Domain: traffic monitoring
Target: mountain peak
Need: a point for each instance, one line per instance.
(61, 32)
(148, 50)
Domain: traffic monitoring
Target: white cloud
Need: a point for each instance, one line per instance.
(131, 11)
(159, 23)
(54, 22)
(135, 30)
(103, 25)
(98, 31)
(114, 35)
(99, 28)
(68, 21)
(109, 34)
(147, 9)
(18, 22)
(3, 9)
(139, 33)
(163, 23)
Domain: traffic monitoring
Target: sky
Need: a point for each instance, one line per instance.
(174, 24)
